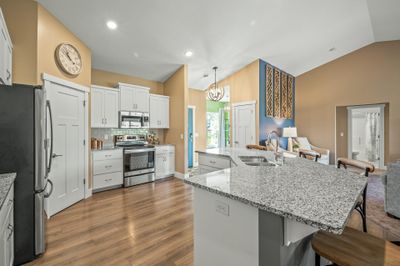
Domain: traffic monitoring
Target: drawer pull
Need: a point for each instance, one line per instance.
(108, 155)
(108, 166)
(108, 180)
(11, 228)
(212, 161)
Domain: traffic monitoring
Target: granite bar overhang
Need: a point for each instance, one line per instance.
(317, 195)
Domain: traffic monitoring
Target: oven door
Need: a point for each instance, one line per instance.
(138, 161)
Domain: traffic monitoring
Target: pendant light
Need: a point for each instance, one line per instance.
(214, 92)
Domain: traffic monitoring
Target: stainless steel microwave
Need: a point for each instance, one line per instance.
(133, 119)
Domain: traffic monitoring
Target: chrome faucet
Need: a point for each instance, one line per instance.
(269, 139)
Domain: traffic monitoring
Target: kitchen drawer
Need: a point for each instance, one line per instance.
(107, 155)
(207, 169)
(107, 180)
(8, 204)
(165, 149)
(214, 161)
(107, 166)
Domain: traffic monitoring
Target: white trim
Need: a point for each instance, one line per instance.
(180, 175)
(72, 85)
(194, 131)
(88, 191)
(381, 130)
(159, 95)
(132, 86)
(244, 103)
(234, 105)
(104, 88)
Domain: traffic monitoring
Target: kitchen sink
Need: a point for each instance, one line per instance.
(256, 161)
(253, 159)
(260, 163)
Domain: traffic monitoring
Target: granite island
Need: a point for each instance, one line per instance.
(265, 215)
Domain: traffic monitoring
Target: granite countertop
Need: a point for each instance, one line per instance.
(302, 190)
(107, 148)
(6, 180)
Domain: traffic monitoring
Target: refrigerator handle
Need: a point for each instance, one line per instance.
(51, 137)
(51, 189)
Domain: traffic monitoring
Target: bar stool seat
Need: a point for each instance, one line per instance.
(355, 248)
(309, 154)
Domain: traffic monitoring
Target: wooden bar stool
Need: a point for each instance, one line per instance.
(366, 168)
(354, 248)
(308, 154)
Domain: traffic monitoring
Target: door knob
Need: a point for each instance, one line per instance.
(55, 155)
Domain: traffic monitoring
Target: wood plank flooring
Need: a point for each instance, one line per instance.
(150, 224)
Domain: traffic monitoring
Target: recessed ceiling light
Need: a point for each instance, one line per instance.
(188, 53)
(332, 49)
(112, 25)
(252, 23)
(135, 54)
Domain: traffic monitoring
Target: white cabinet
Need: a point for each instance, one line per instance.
(104, 106)
(107, 169)
(165, 161)
(210, 163)
(5, 53)
(7, 230)
(133, 98)
(159, 111)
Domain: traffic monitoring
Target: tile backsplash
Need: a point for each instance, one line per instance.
(107, 134)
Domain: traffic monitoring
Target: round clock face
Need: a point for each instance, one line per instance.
(69, 59)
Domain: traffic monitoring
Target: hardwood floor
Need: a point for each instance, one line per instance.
(144, 225)
(150, 224)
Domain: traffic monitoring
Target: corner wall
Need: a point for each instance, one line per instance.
(176, 87)
(369, 75)
(197, 98)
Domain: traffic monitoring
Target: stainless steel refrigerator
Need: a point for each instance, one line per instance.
(26, 148)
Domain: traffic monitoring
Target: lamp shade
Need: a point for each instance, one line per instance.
(289, 132)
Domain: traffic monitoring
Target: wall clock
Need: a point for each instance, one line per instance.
(68, 59)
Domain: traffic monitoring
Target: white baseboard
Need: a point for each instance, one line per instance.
(181, 175)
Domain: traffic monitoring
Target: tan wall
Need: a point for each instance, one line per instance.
(341, 129)
(110, 79)
(51, 32)
(369, 75)
(198, 98)
(244, 86)
(21, 20)
(176, 87)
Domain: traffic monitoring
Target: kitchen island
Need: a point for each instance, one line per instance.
(265, 215)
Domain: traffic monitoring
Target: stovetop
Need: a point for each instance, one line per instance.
(133, 145)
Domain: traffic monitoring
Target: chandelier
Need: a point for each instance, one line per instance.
(214, 92)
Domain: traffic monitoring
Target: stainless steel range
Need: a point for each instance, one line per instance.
(138, 159)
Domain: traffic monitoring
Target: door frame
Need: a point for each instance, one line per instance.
(234, 105)
(381, 129)
(47, 81)
(194, 133)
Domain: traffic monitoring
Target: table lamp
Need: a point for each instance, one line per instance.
(289, 132)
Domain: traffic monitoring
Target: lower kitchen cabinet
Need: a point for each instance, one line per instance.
(107, 169)
(210, 163)
(165, 161)
(7, 230)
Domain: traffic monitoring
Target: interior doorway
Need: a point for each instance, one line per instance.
(191, 137)
(366, 133)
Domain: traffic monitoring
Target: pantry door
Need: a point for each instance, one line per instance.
(67, 172)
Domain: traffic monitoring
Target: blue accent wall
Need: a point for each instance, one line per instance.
(268, 124)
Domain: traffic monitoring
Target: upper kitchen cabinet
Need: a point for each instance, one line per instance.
(5, 53)
(104, 106)
(133, 98)
(159, 111)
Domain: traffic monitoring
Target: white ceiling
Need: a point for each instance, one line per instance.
(153, 35)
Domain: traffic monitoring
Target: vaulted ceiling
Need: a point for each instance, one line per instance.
(153, 35)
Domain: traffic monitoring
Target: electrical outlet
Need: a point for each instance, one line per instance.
(181, 136)
(222, 207)
(341, 134)
(106, 136)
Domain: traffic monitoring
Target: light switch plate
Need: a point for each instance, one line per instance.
(222, 207)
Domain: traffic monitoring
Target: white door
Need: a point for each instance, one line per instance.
(126, 98)
(141, 100)
(68, 166)
(243, 125)
(97, 107)
(110, 108)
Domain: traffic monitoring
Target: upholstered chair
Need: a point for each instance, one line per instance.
(304, 145)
